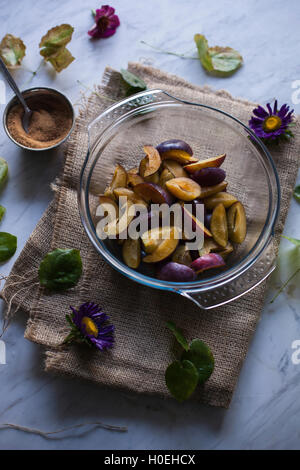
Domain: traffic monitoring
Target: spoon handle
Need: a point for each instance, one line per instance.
(13, 84)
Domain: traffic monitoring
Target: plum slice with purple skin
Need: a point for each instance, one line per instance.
(207, 191)
(129, 194)
(175, 272)
(218, 225)
(237, 224)
(165, 176)
(151, 163)
(184, 188)
(152, 192)
(175, 168)
(195, 223)
(131, 252)
(210, 176)
(209, 261)
(165, 248)
(209, 162)
(154, 237)
(119, 180)
(177, 150)
(222, 197)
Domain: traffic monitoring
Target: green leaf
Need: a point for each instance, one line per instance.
(3, 171)
(220, 61)
(53, 46)
(12, 50)
(178, 334)
(181, 379)
(297, 193)
(133, 83)
(202, 358)
(8, 246)
(292, 240)
(60, 269)
(2, 212)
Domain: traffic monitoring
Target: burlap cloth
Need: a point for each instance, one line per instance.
(143, 346)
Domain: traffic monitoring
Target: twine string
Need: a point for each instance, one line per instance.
(49, 434)
(12, 281)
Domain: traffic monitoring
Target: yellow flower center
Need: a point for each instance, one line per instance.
(272, 123)
(90, 326)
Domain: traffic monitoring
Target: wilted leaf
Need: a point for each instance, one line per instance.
(53, 46)
(12, 50)
(59, 36)
(220, 61)
(59, 59)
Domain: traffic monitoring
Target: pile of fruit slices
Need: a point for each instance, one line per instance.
(167, 174)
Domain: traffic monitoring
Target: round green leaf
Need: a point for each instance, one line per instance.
(3, 171)
(297, 193)
(181, 379)
(60, 269)
(202, 358)
(8, 246)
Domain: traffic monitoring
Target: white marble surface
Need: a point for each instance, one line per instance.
(265, 410)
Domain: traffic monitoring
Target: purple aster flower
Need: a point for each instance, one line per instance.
(89, 324)
(272, 124)
(106, 22)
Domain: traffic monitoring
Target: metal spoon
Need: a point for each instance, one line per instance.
(27, 112)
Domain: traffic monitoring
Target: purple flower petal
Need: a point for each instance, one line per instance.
(114, 21)
(269, 109)
(260, 112)
(260, 115)
(109, 32)
(106, 23)
(106, 10)
(105, 338)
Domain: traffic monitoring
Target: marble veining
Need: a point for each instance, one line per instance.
(265, 408)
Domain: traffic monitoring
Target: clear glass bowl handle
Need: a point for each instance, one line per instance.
(256, 274)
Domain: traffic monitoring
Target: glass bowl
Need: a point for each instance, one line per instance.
(148, 118)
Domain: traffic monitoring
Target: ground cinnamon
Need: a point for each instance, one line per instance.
(51, 120)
